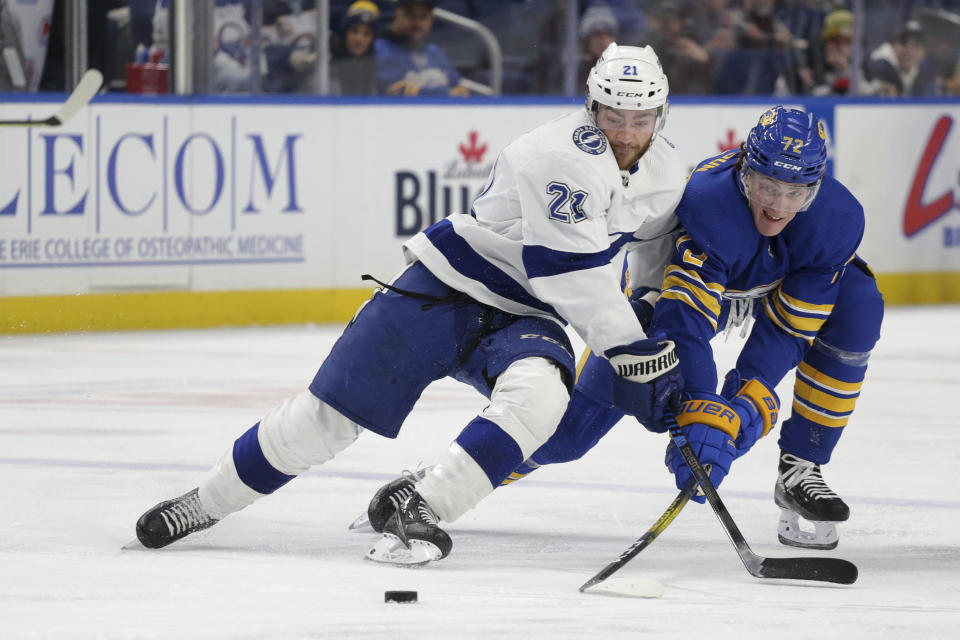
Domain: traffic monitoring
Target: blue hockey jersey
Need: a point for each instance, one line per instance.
(723, 270)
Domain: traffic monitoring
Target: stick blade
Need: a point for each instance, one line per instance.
(88, 87)
(639, 587)
(834, 570)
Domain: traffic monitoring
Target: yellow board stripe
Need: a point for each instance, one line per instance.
(825, 381)
(183, 309)
(816, 397)
(920, 287)
(818, 418)
(178, 309)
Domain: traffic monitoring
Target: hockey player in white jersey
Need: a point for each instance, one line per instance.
(484, 299)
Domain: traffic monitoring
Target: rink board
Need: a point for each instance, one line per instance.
(177, 213)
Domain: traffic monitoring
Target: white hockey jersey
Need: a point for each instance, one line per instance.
(546, 235)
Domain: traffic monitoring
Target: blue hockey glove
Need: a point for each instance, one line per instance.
(757, 405)
(712, 427)
(642, 301)
(647, 381)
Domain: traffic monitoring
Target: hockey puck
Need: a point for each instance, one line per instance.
(399, 596)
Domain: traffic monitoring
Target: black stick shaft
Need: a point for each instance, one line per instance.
(644, 541)
(820, 569)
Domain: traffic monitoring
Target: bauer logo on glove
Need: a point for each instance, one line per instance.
(718, 415)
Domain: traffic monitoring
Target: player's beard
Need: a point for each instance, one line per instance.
(628, 155)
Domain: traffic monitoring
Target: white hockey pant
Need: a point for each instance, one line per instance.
(527, 403)
(302, 432)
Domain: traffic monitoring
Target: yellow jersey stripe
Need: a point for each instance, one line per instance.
(684, 296)
(800, 323)
(713, 287)
(806, 307)
(779, 323)
(709, 301)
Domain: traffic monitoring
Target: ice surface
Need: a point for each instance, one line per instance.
(96, 428)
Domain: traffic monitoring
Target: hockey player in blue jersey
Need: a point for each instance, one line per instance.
(767, 236)
(484, 300)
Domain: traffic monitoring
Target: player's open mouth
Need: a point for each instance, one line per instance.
(770, 217)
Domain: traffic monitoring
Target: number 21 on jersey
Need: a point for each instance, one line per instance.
(566, 205)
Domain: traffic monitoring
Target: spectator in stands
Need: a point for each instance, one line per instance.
(900, 67)
(287, 56)
(951, 86)
(598, 28)
(941, 39)
(353, 68)
(836, 43)
(712, 23)
(289, 44)
(763, 53)
(685, 61)
(14, 74)
(760, 28)
(544, 69)
(408, 65)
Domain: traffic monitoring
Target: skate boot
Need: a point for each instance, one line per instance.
(171, 520)
(387, 500)
(412, 536)
(801, 492)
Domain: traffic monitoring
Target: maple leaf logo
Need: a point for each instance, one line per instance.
(473, 153)
(730, 143)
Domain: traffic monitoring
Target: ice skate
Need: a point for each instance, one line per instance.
(387, 500)
(801, 492)
(411, 536)
(172, 520)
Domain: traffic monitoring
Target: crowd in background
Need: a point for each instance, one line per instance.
(401, 48)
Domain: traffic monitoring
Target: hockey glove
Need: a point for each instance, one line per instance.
(757, 405)
(647, 380)
(642, 301)
(712, 427)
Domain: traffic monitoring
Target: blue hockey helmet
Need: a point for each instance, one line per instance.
(788, 145)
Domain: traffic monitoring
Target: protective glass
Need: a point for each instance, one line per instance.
(626, 120)
(777, 195)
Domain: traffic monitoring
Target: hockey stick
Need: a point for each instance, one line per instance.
(87, 88)
(644, 541)
(820, 569)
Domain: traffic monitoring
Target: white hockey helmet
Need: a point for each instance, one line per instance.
(628, 78)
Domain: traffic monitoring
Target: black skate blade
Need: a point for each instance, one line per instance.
(834, 570)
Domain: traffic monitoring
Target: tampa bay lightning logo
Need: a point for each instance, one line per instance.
(590, 139)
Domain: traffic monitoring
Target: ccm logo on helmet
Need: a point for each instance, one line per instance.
(629, 94)
(786, 165)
